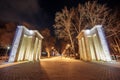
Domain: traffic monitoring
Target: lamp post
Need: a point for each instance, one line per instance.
(8, 47)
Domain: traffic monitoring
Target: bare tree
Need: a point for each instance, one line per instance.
(78, 19)
(89, 15)
(63, 25)
(113, 33)
(69, 23)
(48, 41)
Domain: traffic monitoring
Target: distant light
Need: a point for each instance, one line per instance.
(8, 47)
(52, 48)
(67, 46)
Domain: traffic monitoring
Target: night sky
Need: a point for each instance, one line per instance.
(39, 13)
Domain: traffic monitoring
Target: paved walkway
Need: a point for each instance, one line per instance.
(60, 69)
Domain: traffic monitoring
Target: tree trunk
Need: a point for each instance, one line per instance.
(72, 43)
(48, 52)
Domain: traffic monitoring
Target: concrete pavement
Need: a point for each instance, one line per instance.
(59, 68)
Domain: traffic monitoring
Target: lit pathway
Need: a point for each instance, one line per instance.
(60, 69)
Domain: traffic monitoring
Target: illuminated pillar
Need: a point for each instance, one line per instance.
(22, 49)
(26, 45)
(83, 56)
(29, 44)
(93, 45)
(88, 54)
(26, 42)
(80, 49)
(97, 47)
(84, 49)
(15, 44)
(103, 43)
(35, 49)
(39, 49)
(32, 49)
(90, 48)
(87, 34)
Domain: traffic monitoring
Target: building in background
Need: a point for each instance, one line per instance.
(93, 45)
(26, 45)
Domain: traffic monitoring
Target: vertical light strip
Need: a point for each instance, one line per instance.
(91, 50)
(29, 39)
(80, 48)
(82, 52)
(82, 55)
(31, 50)
(39, 48)
(104, 44)
(22, 49)
(97, 50)
(88, 48)
(35, 48)
(37, 54)
(15, 44)
(25, 46)
(84, 48)
(101, 53)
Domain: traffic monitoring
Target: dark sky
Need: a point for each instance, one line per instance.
(38, 12)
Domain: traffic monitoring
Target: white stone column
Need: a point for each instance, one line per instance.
(82, 52)
(92, 49)
(39, 49)
(15, 44)
(80, 48)
(84, 49)
(83, 56)
(29, 44)
(86, 42)
(104, 43)
(35, 48)
(87, 45)
(97, 47)
(36, 56)
(31, 49)
(22, 49)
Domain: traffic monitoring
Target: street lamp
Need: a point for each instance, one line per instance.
(8, 47)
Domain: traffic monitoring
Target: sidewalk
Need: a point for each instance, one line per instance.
(112, 63)
(60, 68)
